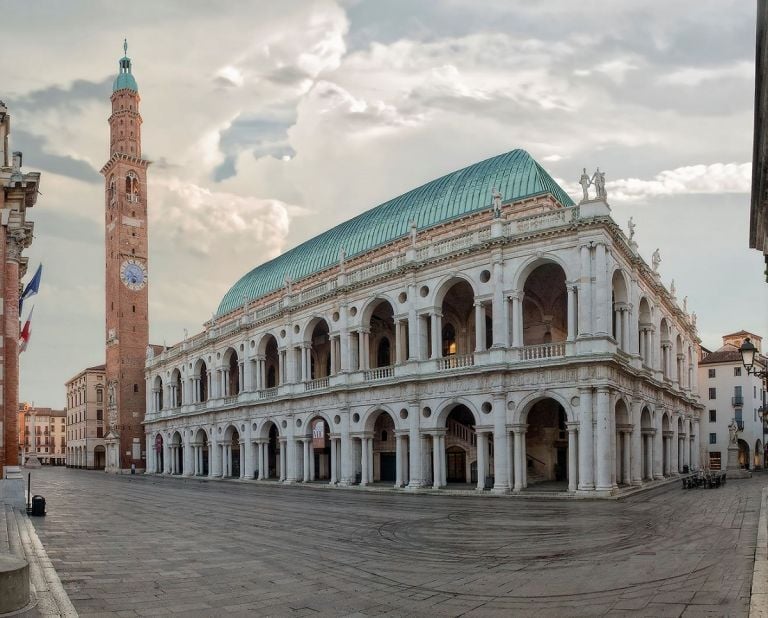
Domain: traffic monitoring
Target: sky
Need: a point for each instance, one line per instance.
(269, 122)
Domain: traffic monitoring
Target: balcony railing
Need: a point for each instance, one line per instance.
(380, 373)
(455, 362)
(544, 350)
(738, 402)
(314, 385)
(267, 393)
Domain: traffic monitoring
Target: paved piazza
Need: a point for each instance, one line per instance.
(154, 546)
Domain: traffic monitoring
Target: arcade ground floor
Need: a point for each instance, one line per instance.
(151, 545)
(589, 442)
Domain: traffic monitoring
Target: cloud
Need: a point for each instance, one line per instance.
(695, 76)
(692, 179)
(36, 155)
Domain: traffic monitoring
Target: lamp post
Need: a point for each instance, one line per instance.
(748, 351)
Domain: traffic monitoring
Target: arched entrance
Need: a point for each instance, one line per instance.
(646, 455)
(384, 449)
(318, 466)
(743, 454)
(382, 336)
(622, 446)
(232, 373)
(177, 454)
(459, 326)
(546, 443)
(319, 352)
(201, 373)
(271, 377)
(461, 447)
(159, 454)
(545, 306)
(99, 457)
(230, 461)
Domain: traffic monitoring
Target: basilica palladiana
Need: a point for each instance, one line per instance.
(480, 331)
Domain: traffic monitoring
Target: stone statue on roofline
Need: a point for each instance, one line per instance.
(656, 260)
(585, 182)
(413, 233)
(685, 304)
(631, 226)
(693, 319)
(672, 288)
(496, 201)
(598, 179)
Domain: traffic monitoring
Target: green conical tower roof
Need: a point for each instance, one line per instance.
(124, 79)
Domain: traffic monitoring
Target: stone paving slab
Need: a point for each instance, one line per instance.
(142, 546)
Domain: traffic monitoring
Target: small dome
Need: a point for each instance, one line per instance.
(124, 79)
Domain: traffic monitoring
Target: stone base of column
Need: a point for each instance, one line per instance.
(415, 485)
(500, 489)
(658, 477)
(595, 493)
(247, 477)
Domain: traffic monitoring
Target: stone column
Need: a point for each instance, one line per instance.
(637, 442)
(603, 451)
(363, 461)
(517, 319)
(367, 347)
(306, 475)
(437, 335)
(398, 343)
(585, 292)
(334, 465)
(573, 469)
(414, 352)
(482, 467)
(696, 461)
(15, 243)
(416, 476)
(346, 450)
(519, 457)
(586, 441)
(618, 332)
(500, 444)
(189, 461)
(166, 456)
(370, 460)
(283, 477)
(500, 308)
(571, 290)
(247, 466)
(260, 458)
(398, 461)
(479, 326)
(602, 305)
(626, 476)
(658, 453)
(291, 456)
(436, 461)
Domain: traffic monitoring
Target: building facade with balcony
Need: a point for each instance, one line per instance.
(86, 394)
(728, 394)
(43, 433)
(480, 330)
(18, 192)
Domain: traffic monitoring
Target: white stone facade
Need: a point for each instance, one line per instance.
(728, 394)
(86, 400)
(519, 350)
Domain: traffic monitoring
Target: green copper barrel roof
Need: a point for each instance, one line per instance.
(515, 174)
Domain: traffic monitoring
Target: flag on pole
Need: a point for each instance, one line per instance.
(32, 287)
(26, 332)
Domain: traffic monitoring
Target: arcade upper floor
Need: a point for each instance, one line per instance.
(536, 285)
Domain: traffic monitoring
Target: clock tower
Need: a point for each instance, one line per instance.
(125, 236)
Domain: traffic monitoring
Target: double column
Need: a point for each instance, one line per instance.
(439, 476)
(520, 457)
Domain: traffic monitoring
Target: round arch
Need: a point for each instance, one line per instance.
(620, 285)
(306, 425)
(533, 262)
(445, 283)
(306, 330)
(520, 413)
(263, 430)
(447, 406)
(370, 416)
(371, 305)
(265, 339)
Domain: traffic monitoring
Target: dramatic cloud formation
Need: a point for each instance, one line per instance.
(270, 123)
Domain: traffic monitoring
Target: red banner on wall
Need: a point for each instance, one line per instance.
(318, 434)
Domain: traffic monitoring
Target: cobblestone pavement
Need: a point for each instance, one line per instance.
(153, 546)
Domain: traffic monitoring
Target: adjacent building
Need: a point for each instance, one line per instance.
(481, 330)
(18, 192)
(728, 394)
(42, 433)
(758, 220)
(86, 403)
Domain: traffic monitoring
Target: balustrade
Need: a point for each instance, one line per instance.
(314, 385)
(455, 362)
(380, 373)
(543, 350)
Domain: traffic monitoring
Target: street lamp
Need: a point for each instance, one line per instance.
(747, 351)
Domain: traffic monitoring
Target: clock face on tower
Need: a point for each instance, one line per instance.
(133, 274)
